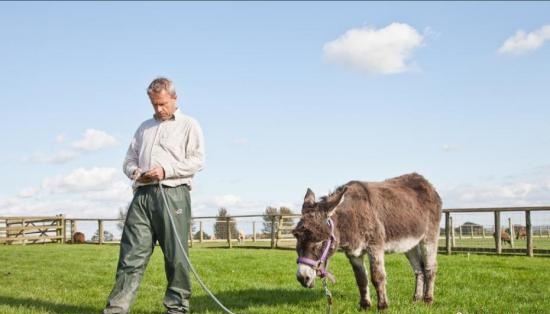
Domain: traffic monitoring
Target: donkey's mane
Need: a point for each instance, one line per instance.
(326, 198)
(353, 188)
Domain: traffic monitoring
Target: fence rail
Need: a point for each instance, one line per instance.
(498, 234)
(523, 238)
(32, 229)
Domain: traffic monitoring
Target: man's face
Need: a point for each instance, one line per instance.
(164, 104)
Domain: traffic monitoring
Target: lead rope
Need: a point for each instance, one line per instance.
(328, 295)
(167, 207)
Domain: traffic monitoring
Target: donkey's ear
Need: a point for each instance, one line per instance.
(335, 201)
(309, 199)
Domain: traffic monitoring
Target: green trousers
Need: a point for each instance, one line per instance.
(146, 223)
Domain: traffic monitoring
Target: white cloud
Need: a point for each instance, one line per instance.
(61, 157)
(94, 140)
(380, 51)
(235, 205)
(525, 189)
(84, 193)
(523, 42)
(28, 192)
(60, 138)
(80, 179)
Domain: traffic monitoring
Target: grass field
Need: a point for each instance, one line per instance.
(66, 279)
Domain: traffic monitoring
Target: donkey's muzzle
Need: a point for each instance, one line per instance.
(306, 276)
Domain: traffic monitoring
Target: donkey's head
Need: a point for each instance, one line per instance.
(316, 239)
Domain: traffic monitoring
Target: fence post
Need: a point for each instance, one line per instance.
(228, 220)
(511, 228)
(448, 232)
(73, 227)
(272, 232)
(253, 231)
(460, 232)
(453, 238)
(497, 232)
(200, 232)
(63, 229)
(23, 222)
(57, 224)
(279, 225)
(100, 230)
(483, 232)
(529, 233)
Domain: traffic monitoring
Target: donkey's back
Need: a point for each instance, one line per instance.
(407, 210)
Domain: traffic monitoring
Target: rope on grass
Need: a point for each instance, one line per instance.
(167, 208)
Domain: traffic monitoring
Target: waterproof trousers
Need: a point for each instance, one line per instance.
(146, 223)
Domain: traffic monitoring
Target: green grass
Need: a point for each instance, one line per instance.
(65, 279)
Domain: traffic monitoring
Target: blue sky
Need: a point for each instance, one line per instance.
(290, 95)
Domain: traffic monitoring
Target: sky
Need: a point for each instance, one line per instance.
(289, 95)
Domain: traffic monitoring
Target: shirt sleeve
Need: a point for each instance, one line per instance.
(132, 158)
(194, 155)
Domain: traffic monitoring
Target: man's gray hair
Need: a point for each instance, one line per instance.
(159, 84)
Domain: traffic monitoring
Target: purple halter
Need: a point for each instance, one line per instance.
(321, 264)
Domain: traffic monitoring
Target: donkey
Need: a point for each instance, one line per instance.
(78, 238)
(521, 232)
(401, 214)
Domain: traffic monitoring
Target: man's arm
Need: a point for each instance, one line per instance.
(130, 164)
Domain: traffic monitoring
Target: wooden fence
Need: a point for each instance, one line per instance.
(497, 234)
(280, 232)
(22, 230)
(26, 230)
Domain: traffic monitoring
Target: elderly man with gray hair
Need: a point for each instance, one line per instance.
(168, 148)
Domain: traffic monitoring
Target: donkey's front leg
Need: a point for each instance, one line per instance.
(362, 280)
(378, 277)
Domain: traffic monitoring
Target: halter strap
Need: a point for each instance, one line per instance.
(321, 264)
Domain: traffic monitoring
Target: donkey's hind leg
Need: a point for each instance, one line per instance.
(429, 258)
(414, 256)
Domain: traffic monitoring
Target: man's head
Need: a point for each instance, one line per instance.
(162, 94)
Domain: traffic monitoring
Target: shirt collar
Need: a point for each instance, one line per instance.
(176, 116)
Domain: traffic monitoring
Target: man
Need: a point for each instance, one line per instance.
(169, 149)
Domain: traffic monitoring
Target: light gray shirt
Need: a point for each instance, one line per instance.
(177, 145)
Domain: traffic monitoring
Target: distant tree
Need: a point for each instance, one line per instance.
(220, 227)
(287, 222)
(197, 235)
(271, 211)
(107, 236)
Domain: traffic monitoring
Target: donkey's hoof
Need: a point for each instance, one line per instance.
(417, 298)
(364, 305)
(382, 306)
(428, 300)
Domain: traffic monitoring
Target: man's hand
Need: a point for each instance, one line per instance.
(137, 173)
(154, 174)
